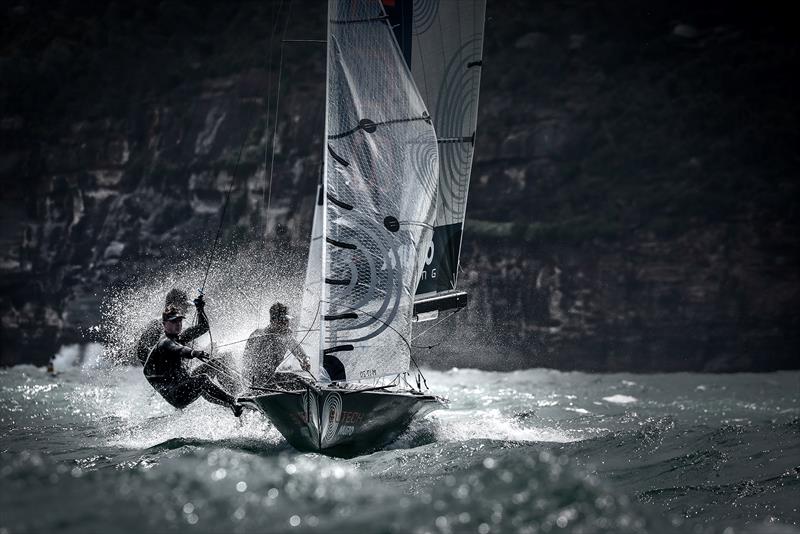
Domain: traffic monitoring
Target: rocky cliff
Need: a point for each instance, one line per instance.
(631, 208)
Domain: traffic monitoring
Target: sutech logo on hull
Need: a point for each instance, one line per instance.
(335, 421)
(331, 415)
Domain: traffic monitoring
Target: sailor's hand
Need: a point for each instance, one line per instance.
(200, 355)
(305, 365)
(200, 304)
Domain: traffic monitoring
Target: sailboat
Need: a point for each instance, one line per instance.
(402, 95)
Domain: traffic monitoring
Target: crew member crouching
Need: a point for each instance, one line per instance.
(165, 367)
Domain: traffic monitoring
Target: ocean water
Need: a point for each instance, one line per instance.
(94, 450)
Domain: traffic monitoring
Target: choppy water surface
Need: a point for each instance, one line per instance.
(528, 451)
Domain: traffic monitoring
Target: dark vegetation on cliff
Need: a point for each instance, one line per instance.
(632, 207)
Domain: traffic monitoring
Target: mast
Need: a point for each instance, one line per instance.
(323, 219)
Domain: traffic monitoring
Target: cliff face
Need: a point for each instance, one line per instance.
(632, 196)
(632, 202)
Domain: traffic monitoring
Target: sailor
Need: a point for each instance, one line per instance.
(266, 347)
(153, 330)
(165, 368)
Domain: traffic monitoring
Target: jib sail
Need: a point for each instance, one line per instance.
(442, 42)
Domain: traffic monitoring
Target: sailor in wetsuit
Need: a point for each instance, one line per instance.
(153, 330)
(166, 371)
(266, 348)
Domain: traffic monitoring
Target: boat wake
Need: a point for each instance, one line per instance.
(455, 426)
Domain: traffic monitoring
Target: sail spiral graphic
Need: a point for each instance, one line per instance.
(375, 279)
(424, 15)
(424, 158)
(456, 105)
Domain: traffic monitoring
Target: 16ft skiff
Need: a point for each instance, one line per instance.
(402, 100)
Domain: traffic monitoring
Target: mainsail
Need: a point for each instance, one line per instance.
(442, 42)
(379, 201)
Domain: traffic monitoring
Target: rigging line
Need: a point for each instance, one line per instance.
(316, 316)
(222, 215)
(419, 371)
(270, 54)
(376, 318)
(210, 337)
(286, 357)
(224, 369)
(224, 210)
(304, 330)
(273, 30)
(274, 143)
(307, 331)
(437, 323)
(358, 21)
(369, 127)
(226, 202)
(299, 344)
(234, 343)
(277, 109)
(249, 301)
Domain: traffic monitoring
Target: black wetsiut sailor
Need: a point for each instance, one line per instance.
(165, 367)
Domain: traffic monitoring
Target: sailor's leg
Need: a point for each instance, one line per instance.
(179, 394)
(222, 371)
(213, 393)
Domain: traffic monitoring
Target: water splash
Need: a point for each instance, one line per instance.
(241, 286)
(462, 425)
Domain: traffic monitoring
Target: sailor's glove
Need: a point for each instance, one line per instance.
(305, 365)
(200, 355)
(199, 304)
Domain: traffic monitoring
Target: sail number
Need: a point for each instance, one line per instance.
(368, 373)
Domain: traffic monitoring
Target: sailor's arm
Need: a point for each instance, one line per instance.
(182, 351)
(193, 332)
(297, 351)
